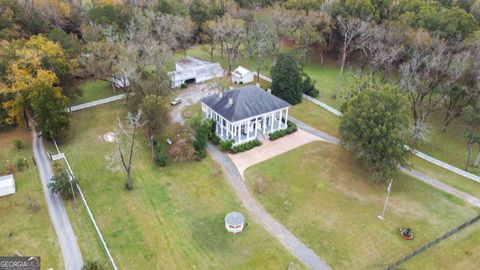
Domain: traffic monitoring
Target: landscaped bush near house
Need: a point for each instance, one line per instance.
(215, 139)
(245, 146)
(226, 145)
(183, 85)
(291, 127)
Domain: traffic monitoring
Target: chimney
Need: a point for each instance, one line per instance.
(269, 90)
(230, 102)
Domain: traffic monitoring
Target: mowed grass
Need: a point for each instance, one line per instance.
(458, 248)
(25, 227)
(173, 218)
(94, 90)
(323, 120)
(327, 199)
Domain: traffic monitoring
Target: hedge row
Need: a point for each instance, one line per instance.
(245, 146)
(291, 127)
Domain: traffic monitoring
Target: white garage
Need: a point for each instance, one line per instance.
(193, 70)
(7, 185)
(242, 75)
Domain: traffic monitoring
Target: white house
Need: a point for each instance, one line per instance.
(7, 185)
(245, 113)
(193, 70)
(120, 82)
(242, 75)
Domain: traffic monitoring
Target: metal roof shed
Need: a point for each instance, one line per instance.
(7, 185)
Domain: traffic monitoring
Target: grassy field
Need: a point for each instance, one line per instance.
(93, 90)
(25, 222)
(173, 219)
(322, 120)
(328, 200)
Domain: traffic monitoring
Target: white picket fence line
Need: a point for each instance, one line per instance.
(90, 215)
(96, 103)
(417, 153)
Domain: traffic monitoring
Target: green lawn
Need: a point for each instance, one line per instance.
(328, 200)
(173, 219)
(25, 227)
(322, 120)
(93, 90)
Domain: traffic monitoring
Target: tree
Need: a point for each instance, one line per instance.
(305, 5)
(153, 114)
(183, 30)
(122, 157)
(427, 74)
(229, 32)
(472, 116)
(287, 79)
(308, 86)
(202, 133)
(374, 126)
(305, 36)
(49, 108)
(350, 28)
(61, 183)
(264, 36)
(182, 150)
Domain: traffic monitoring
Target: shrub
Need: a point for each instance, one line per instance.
(226, 145)
(17, 143)
(308, 86)
(291, 127)
(61, 184)
(215, 139)
(20, 164)
(245, 146)
(183, 86)
(91, 265)
(160, 155)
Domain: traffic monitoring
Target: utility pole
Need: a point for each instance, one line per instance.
(386, 201)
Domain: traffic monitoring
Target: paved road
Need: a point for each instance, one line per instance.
(420, 176)
(260, 215)
(96, 103)
(71, 254)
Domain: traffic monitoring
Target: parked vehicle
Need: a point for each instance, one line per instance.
(176, 101)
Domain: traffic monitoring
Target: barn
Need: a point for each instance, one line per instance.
(193, 70)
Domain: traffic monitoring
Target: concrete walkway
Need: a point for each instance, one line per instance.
(71, 254)
(270, 149)
(260, 215)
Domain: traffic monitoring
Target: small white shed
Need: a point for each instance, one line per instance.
(120, 82)
(242, 75)
(7, 185)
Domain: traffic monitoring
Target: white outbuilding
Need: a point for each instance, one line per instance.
(193, 70)
(7, 185)
(242, 75)
(234, 222)
(120, 82)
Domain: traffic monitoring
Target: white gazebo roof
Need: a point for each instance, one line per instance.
(241, 71)
(234, 219)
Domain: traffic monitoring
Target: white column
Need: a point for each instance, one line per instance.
(279, 119)
(216, 122)
(248, 129)
(271, 121)
(256, 126)
(286, 117)
(264, 123)
(221, 126)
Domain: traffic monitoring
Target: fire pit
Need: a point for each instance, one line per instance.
(407, 233)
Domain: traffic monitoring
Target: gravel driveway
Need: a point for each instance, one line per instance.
(193, 94)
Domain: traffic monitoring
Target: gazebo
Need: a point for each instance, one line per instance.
(234, 222)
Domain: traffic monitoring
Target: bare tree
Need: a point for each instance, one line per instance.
(264, 36)
(350, 28)
(425, 76)
(183, 31)
(305, 36)
(122, 156)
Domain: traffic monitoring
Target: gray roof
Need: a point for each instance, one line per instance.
(234, 218)
(248, 101)
(207, 70)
